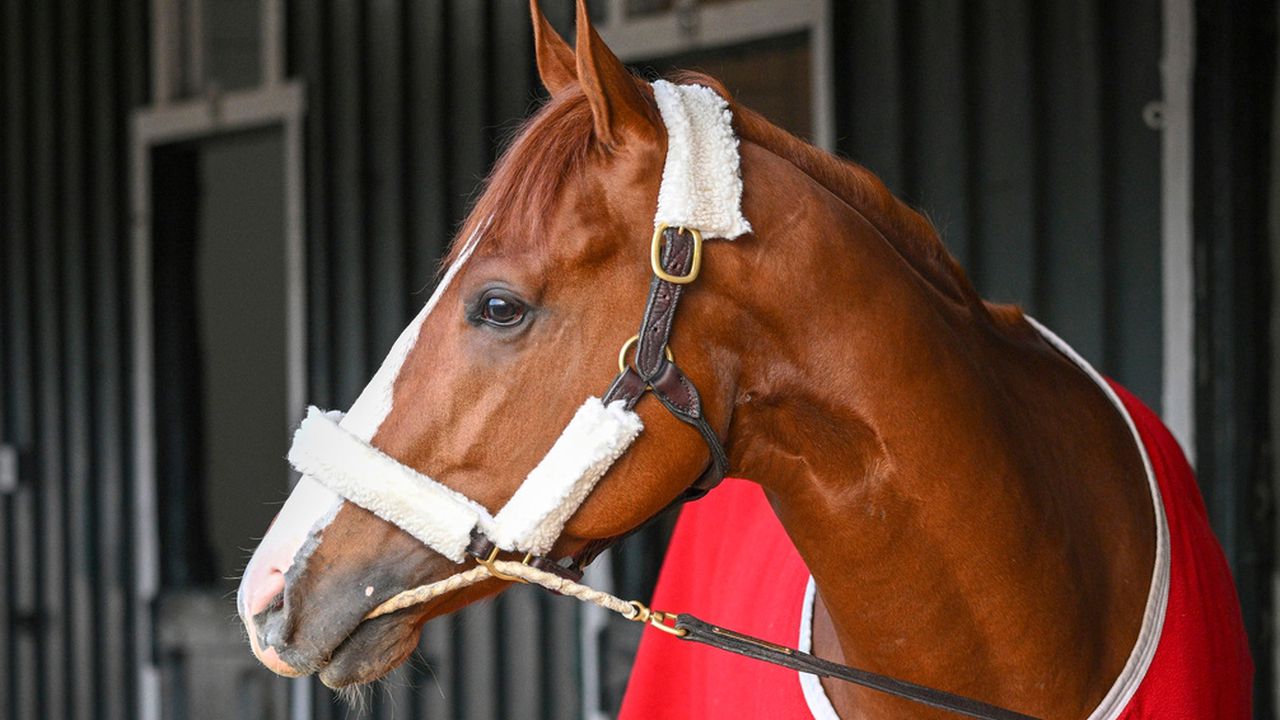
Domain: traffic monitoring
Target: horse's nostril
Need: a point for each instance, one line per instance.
(262, 590)
(269, 623)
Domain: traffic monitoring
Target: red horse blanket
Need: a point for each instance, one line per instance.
(1200, 667)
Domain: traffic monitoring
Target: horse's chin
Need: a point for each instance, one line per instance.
(374, 649)
(378, 646)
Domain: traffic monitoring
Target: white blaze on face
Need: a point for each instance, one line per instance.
(311, 506)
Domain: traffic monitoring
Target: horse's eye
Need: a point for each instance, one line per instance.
(501, 310)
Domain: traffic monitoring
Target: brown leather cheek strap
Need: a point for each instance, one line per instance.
(654, 371)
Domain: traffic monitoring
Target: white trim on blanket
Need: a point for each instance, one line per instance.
(811, 685)
(1144, 649)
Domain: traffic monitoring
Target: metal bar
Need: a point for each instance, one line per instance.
(8, 451)
(429, 223)
(307, 28)
(346, 196)
(165, 33)
(524, 646)
(8, 575)
(146, 533)
(295, 264)
(26, 659)
(383, 120)
(939, 146)
(873, 132)
(135, 87)
(107, 225)
(653, 36)
(296, 312)
(514, 74)
(49, 439)
(1130, 155)
(1176, 257)
(193, 119)
(194, 71)
(273, 43)
(822, 75)
(591, 624)
(1004, 257)
(437, 698)
(1070, 285)
(81, 660)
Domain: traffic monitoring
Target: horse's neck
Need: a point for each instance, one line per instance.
(953, 485)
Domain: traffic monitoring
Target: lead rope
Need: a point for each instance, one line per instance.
(512, 570)
(688, 627)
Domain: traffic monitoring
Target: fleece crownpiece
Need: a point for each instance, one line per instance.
(702, 178)
(443, 518)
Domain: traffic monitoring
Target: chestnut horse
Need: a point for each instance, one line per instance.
(954, 484)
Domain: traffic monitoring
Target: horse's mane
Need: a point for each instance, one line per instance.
(554, 143)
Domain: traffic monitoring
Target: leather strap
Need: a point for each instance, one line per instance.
(703, 632)
(652, 370)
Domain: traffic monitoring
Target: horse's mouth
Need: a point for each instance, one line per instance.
(372, 650)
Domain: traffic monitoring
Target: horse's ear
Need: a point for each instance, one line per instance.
(619, 109)
(556, 64)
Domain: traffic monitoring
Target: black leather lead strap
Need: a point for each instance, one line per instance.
(718, 637)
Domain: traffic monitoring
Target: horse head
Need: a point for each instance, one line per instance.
(544, 285)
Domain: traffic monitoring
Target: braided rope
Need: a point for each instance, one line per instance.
(555, 583)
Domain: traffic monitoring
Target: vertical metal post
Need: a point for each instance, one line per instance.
(822, 82)
(300, 699)
(193, 73)
(272, 46)
(146, 538)
(164, 49)
(1275, 366)
(1176, 205)
(592, 623)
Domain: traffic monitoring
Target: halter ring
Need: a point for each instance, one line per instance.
(655, 256)
(626, 347)
(488, 563)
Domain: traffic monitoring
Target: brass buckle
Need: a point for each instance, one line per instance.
(626, 347)
(655, 256)
(488, 563)
(657, 619)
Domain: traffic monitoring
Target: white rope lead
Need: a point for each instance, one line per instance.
(631, 610)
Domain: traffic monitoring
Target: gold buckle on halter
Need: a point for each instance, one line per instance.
(655, 256)
(626, 347)
(493, 555)
(656, 618)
